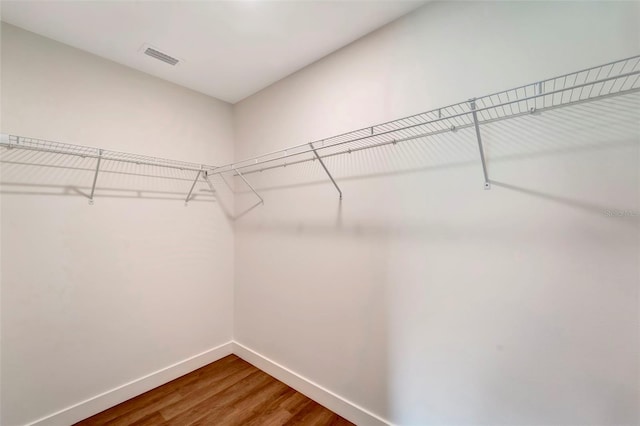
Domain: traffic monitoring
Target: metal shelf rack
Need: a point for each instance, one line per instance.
(101, 155)
(612, 79)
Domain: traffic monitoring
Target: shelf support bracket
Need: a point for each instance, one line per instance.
(472, 103)
(193, 185)
(327, 170)
(249, 185)
(95, 177)
(205, 176)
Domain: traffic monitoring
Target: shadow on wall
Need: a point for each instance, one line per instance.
(596, 126)
(451, 304)
(26, 172)
(591, 128)
(36, 173)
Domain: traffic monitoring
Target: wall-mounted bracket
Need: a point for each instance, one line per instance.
(472, 104)
(193, 185)
(249, 185)
(327, 170)
(95, 177)
(205, 176)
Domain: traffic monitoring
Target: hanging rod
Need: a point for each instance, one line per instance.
(10, 142)
(591, 84)
(611, 79)
(41, 145)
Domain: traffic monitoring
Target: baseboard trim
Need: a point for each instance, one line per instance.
(347, 409)
(115, 396)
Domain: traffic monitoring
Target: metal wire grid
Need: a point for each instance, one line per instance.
(612, 79)
(32, 144)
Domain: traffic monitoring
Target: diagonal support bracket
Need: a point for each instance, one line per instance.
(205, 176)
(95, 177)
(325, 168)
(249, 185)
(193, 185)
(472, 103)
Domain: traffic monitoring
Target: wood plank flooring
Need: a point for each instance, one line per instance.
(227, 392)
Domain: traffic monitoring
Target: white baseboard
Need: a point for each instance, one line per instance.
(325, 397)
(110, 398)
(115, 396)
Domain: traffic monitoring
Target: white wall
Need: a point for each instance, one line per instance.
(421, 297)
(96, 296)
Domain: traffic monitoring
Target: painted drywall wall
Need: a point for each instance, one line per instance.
(421, 297)
(94, 297)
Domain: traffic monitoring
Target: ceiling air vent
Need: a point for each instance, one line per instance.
(149, 51)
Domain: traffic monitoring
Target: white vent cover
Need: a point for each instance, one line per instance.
(157, 54)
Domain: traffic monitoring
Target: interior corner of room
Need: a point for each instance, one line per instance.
(352, 212)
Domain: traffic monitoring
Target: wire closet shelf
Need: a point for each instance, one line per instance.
(612, 79)
(41, 145)
(591, 84)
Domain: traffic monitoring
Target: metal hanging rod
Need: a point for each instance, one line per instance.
(31, 144)
(612, 79)
(591, 84)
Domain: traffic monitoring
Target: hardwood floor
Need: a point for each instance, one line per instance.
(227, 392)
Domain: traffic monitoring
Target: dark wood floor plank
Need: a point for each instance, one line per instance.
(197, 396)
(272, 413)
(302, 413)
(246, 408)
(148, 402)
(154, 419)
(217, 402)
(313, 414)
(296, 403)
(341, 421)
(228, 392)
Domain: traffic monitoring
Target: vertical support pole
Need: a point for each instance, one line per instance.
(193, 185)
(95, 177)
(325, 168)
(487, 184)
(249, 185)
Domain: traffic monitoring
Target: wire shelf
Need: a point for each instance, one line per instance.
(41, 145)
(612, 79)
(591, 84)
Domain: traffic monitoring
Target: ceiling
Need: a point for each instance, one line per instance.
(228, 49)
